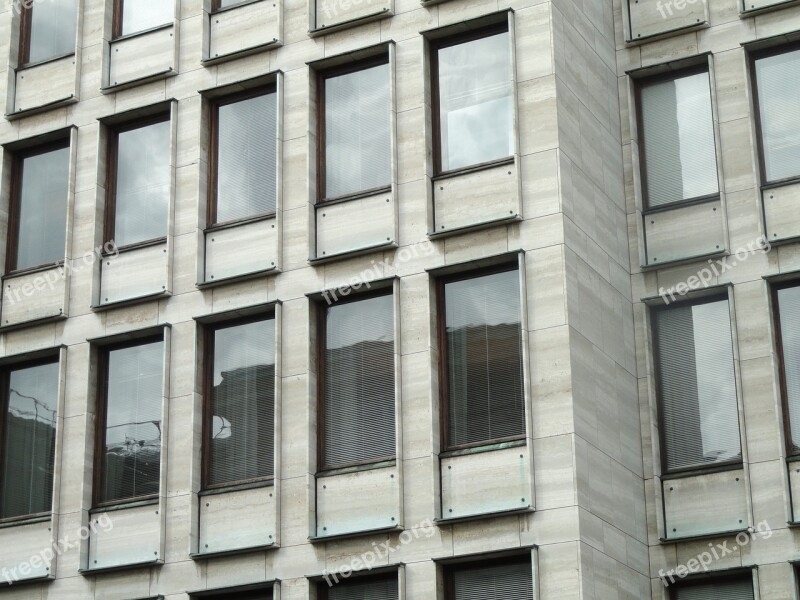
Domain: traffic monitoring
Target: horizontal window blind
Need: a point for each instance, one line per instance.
(741, 589)
(505, 581)
(246, 157)
(369, 589)
(789, 312)
(778, 82)
(359, 421)
(242, 444)
(700, 422)
(678, 137)
(484, 359)
(29, 440)
(132, 457)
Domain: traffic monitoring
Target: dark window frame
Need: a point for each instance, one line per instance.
(323, 588)
(321, 76)
(658, 379)
(740, 576)
(213, 153)
(321, 323)
(752, 58)
(5, 371)
(434, 45)
(216, 5)
(639, 83)
(450, 569)
(112, 156)
(15, 202)
(791, 451)
(101, 412)
(441, 326)
(208, 332)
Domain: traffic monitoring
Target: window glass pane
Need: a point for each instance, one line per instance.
(716, 590)
(242, 403)
(484, 359)
(789, 310)
(43, 208)
(131, 463)
(29, 441)
(698, 388)
(370, 589)
(778, 80)
(678, 137)
(357, 121)
(246, 158)
(52, 29)
(143, 184)
(138, 15)
(475, 102)
(509, 582)
(359, 382)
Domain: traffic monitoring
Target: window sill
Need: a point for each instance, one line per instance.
(702, 536)
(124, 505)
(357, 468)
(25, 520)
(323, 29)
(341, 536)
(488, 515)
(208, 555)
(744, 14)
(236, 487)
(239, 222)
(680, 204)
(221, 58)
(35, 269)
(683, 261)
(631, 43)
(129, 301)
(721, 468)
(26, 112)
(136, 246)
(33, 65)
(237, 278)
(325, 202)
(318, 260)
(117, 87)
(118, 568)
(780, 183)
(487, 447)
(33, 322)
(435, 235)
(490, 164)
(142, 32)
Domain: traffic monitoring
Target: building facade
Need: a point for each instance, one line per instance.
(400, 299)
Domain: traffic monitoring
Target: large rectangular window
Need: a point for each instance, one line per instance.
(473, 98)
(696, 385)
(354, 129)
(786, 301)
(244, 161)
(739, 588)
(677, 144)
(139, 172)
(133, 16)
(509, 579)
(38, 219)
(481, 347)
(29, 416)
(240, 403)
(129, 420)
(777, 81)
(380, 587)
(357, 396)
(47, 30)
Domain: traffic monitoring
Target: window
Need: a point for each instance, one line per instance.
(777, 82)
(129, 420)
(696, 385)
(509, 579)
(354, 129)
(481, 346)
(47, 30)
(221, 4)
(244, 148)
(38, 219)
(786, 299)
(240, 403)
(380, 587)
(139, 182)
(261, 593)
(28, 426)
(356, 416)
(677, 144)
(740, 588)
(472, 98)
(133, 16)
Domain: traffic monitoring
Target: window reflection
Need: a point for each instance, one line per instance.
(139, 15)
(789, 311)
(52, 29)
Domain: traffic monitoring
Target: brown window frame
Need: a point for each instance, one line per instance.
(321, 76)
(25, 25)
(216, 5)
(112, 151)
(213, 153)
(441, 327)
(14, 209)
(5, 371)
(322, 317)
(791, 451)
(101, 412)
(743, 576)
(323, 588)
(434, 45)
(752, 58)
(449, 569)
(637, 92)
(658, 379)
(207, 417)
